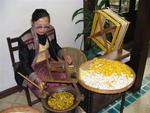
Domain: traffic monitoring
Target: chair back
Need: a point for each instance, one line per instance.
(13, 48)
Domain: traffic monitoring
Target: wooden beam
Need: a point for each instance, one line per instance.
(140, 46)
(89, 4)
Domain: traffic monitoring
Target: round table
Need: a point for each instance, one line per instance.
(104, 91)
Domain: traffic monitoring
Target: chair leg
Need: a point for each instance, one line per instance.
(30, 102)
(28, 96)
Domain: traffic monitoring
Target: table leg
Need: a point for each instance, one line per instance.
(122, 102)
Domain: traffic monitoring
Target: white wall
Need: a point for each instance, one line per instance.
(15, 16)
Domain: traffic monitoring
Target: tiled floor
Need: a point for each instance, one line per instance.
(142, 104)
(135, 103)
(17, 99)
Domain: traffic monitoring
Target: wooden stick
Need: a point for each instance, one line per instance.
(29, 80)
(62, 81)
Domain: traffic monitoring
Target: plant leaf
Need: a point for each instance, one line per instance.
(101, 4)
(77, 12)
(78, 35)
(79, 21)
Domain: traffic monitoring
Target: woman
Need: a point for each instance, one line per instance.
(38, 47)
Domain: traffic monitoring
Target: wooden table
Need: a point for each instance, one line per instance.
(92, 93)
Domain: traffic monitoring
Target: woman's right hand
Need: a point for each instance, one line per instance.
(40, 83)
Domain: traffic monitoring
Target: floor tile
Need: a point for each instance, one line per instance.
(4, 105)
(112, 111)
(142, 105)
(131, 99)
(39, 107)
(21, 99)
(9, 99)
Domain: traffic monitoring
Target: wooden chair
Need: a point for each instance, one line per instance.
(13, 48)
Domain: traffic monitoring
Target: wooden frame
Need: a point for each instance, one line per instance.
(105, 23)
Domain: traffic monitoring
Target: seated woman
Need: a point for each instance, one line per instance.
(37, 47)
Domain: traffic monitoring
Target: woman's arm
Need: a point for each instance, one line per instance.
(25, 60)
(54, 47)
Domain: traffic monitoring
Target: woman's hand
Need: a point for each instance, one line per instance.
(68, 59)
(40, 83)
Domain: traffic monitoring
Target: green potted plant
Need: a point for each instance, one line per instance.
(90, 48)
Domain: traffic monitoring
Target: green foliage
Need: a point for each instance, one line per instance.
(87, 20)
(91, 49)
(100, 5)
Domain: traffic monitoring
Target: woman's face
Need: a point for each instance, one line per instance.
(41, 25)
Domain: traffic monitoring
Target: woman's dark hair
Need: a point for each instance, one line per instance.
(39, 13)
